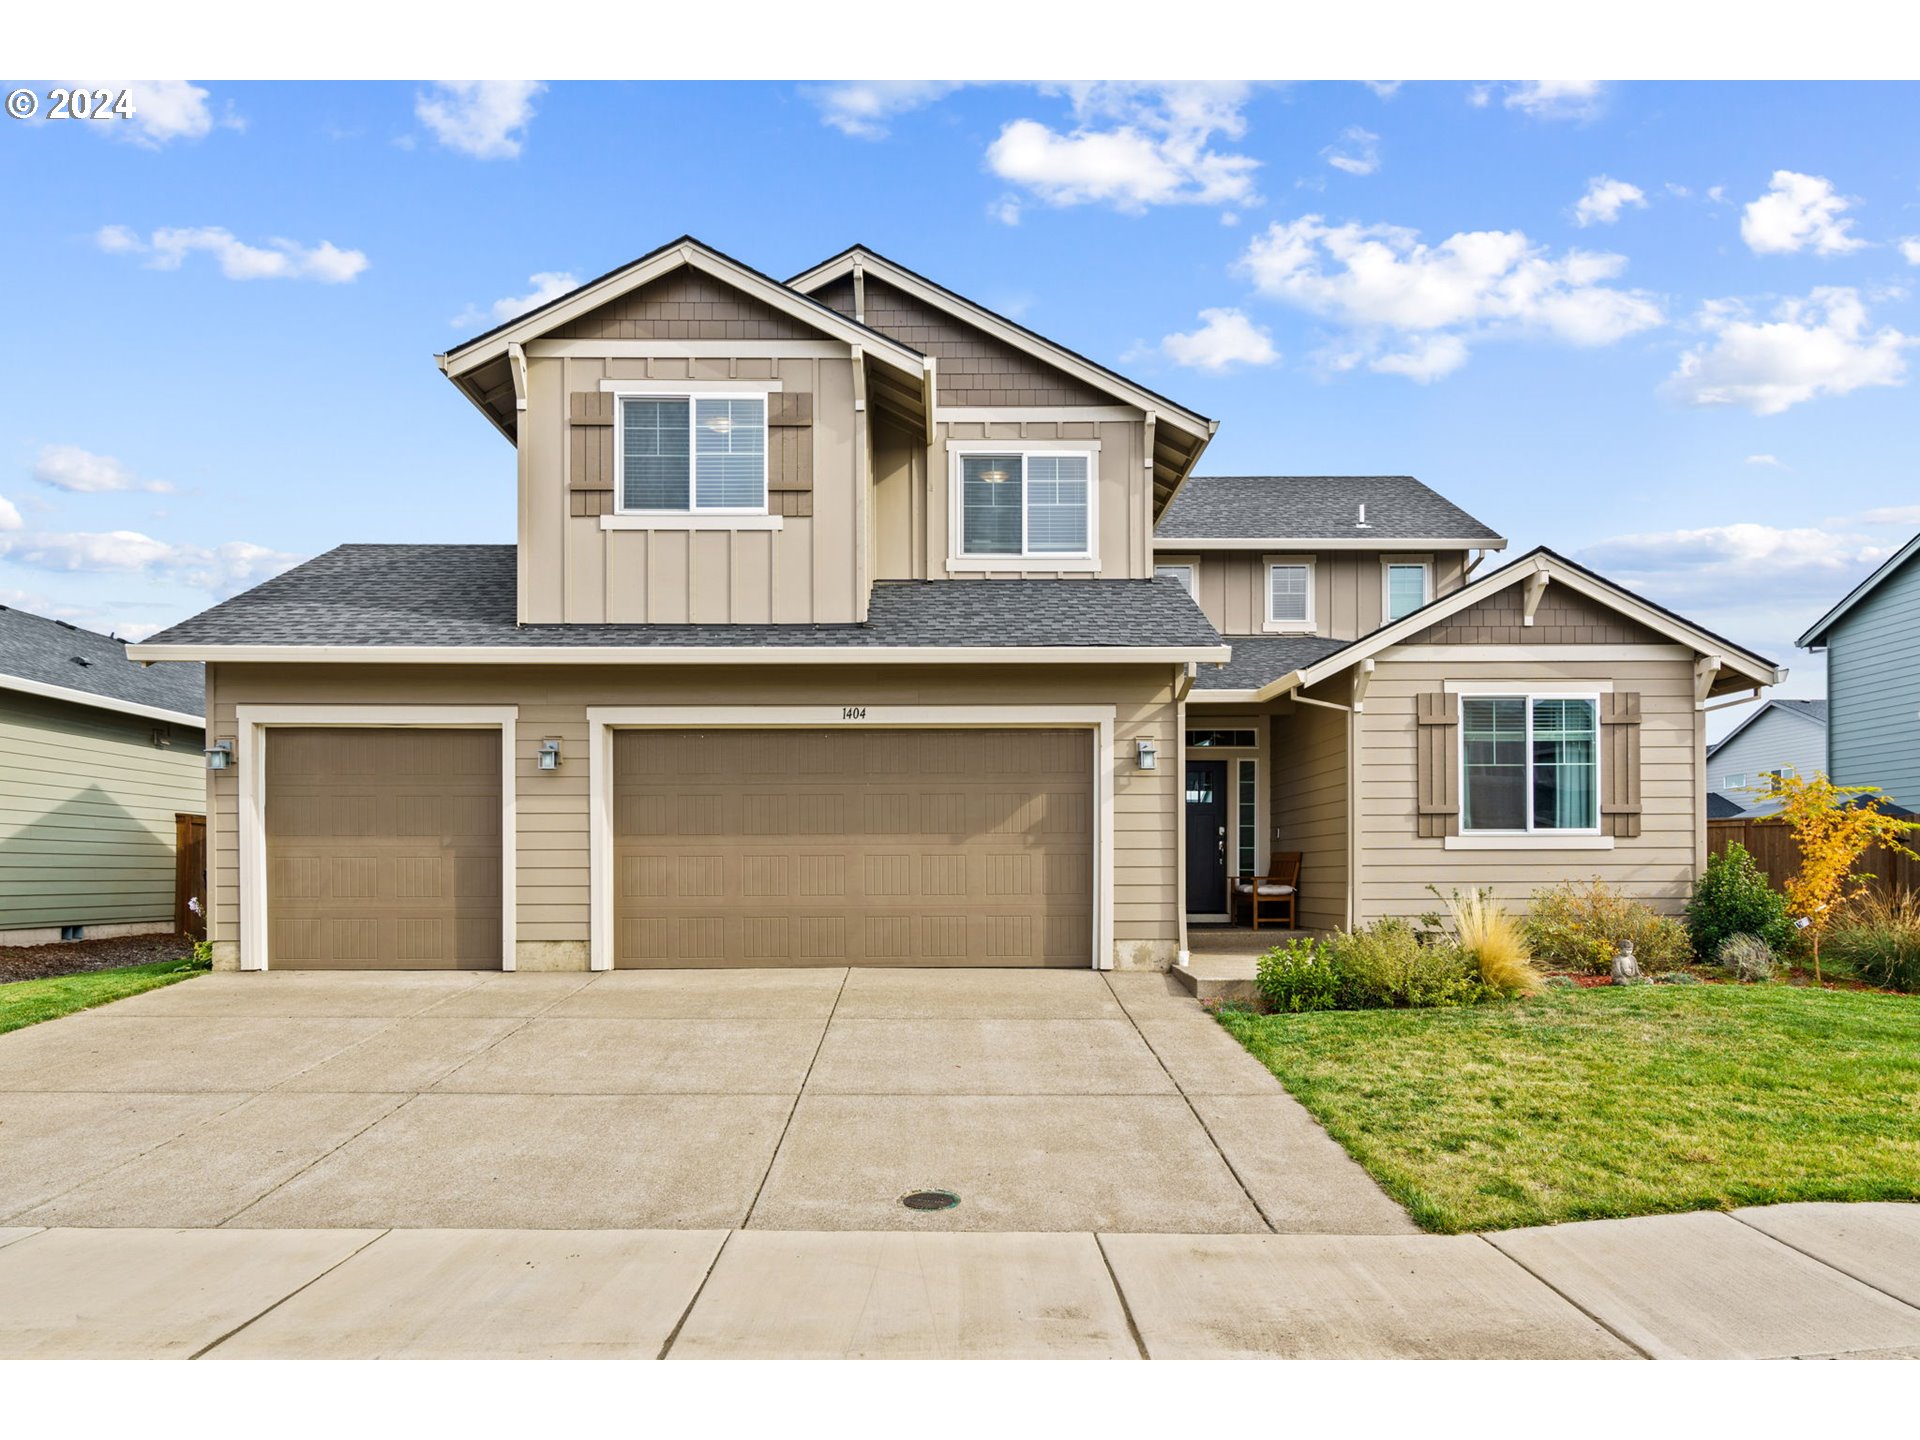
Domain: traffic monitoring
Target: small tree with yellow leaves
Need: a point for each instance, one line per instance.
(1835, 825)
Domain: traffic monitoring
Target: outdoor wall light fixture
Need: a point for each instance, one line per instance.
(549, 754)
(1149, 756)
(220, 755)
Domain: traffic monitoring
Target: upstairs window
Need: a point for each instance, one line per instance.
(1035, 504)
(1529, 763)
(1289, 594)
(1182, 574)
(692, 453)
(1408, 585)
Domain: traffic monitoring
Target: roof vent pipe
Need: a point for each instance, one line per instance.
(1361, 523)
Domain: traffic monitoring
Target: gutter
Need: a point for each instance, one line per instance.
(100, 702)
(682, 654)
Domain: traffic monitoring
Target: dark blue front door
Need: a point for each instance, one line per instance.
(1206, 837)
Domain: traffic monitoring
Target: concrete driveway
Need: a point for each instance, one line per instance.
(1049, 1101)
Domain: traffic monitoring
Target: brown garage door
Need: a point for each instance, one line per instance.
(383, 849)
(862, 847)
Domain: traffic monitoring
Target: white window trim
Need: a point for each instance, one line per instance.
(959, 562)
(1287, 627)
(1533, 835)
(1387, 563)
(694, 508)
(1192, 583)
(603, 720)
(253, 754)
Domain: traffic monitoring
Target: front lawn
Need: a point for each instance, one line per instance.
(28, 1002)
(1579, 1105)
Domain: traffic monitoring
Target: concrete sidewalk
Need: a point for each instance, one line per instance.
(1793, 1280)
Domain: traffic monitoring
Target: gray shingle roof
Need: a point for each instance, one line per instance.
(1314, 507)
(465, 595)
(1812, 709)
(1258, 659)
(52, 652)
(1723, 807)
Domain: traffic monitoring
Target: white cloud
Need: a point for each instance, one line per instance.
(278, 259)
(1892, 515)
(1816, 346)
(1773, 462)
(547, 285)
(1478, 96)
(1357, 152)
(1910, 249)
(163, 111)
(9, 515)
(1225, 338)
(1413, 309)
(1133, 146)
(1006, 209)
(1385, 89)
(486, 119)
(68, 467)
(221, 569)
(1604, 200)
(864, 108)
(1556, 99)
(1796, 212)
(1679, 192)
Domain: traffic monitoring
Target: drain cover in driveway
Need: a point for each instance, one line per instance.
(930, 1200)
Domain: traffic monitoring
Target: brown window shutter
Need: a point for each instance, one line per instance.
(1436, 748)
(590, 452)
(1620, 764)
(790, 451)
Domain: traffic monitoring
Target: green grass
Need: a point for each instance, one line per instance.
(1580, 1105)
(28, 1002)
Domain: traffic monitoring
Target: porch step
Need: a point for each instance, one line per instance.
(1209, 985)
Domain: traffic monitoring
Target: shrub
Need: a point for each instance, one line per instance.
(1385, 965)
(1582, 927)
(1734, 898)
(1747, 956)
(1298, 976)
(1879, 936)
(1493, 940)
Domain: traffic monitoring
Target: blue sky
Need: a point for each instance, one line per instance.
(1665, 328)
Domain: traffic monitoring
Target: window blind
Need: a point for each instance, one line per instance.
(990, 487)
(1287, 593)
(730, 453)
(1057, 504)
(653, 445)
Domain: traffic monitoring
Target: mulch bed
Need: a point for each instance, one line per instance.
(77, 957)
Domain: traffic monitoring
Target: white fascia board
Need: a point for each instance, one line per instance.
(100, 702)
(683, 654)
(995, 325)
(1197, 696)
(458, 362)
(1395, 545)
(1815, 636)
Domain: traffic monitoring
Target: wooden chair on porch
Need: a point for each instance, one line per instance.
(1271, 899)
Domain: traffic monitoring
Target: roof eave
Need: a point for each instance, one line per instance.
(1328, 542)
(683, 654)
(24, 686)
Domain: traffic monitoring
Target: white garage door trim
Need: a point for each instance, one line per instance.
(603, 720)
(251, 759)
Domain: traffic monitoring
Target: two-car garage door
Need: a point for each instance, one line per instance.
(853, 847)
(730, 847)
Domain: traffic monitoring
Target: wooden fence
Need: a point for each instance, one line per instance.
(1774, 849)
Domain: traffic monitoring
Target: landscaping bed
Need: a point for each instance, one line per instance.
(77, 957)
(1580, 1104)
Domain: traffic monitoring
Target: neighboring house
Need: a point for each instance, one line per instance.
(1872, 643)
(99, 757)
(1777, 736)
(833, 636)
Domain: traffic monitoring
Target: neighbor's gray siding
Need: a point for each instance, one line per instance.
(1873, 689)
(87, 806)
(1778, 740)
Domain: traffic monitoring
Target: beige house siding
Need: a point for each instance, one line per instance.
(1347, 600)
(1561, 617)
(1308, 798)
(87, 806)
(552, 807)
(1657, 866)
(684, 305)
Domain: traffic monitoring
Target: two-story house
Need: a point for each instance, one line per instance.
(1873, 679)
(851, 623)
(1775, 737)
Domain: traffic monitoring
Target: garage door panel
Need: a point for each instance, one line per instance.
(857, 847)
(383, 848)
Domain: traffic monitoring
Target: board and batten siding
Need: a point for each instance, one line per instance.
(1873, 689)
(87, 806)
(1309, 807)
(552, 806)
(1347, 599)
(1657, 866)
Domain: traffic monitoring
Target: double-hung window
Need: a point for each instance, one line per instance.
(1529, 763)
(1181, 574)
(1030, 505)
(1289, 593)
(692, 454)
(1406, 585)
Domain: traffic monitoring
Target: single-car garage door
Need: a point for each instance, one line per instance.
(383, 849)
(853, 847)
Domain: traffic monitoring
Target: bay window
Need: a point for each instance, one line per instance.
(691, 453)
(1529, 763)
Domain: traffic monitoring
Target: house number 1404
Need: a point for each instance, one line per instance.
(853, 712)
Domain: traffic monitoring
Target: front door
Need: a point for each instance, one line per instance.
(1206, 837)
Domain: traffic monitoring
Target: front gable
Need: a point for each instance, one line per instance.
(686, 305)
(1561, 616)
